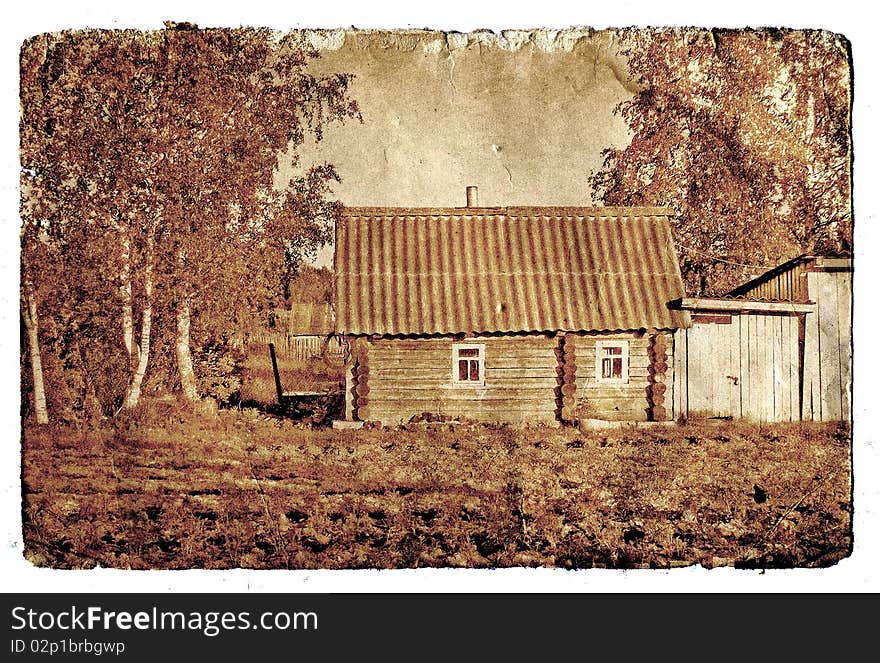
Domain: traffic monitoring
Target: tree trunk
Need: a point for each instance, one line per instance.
(184, 354)
(127, 315)
(134, 389)
(31, 324)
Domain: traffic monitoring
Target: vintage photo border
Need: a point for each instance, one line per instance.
(856, 573)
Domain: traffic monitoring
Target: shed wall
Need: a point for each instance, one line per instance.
(748, 367)
(828, 348)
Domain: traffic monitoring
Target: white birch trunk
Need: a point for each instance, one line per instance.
(127, 315)
(134, 390)
(31, 324)
(184, 354)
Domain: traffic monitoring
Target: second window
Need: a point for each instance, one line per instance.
(612, 361)
(468, 364)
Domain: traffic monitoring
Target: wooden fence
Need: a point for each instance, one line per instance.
(298, 347)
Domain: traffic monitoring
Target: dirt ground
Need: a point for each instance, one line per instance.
(245, 489)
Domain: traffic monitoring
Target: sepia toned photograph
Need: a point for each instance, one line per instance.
(407, 299)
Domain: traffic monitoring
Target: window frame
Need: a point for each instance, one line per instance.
(481, 362)
(624, 372)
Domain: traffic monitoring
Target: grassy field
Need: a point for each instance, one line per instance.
(243, 489)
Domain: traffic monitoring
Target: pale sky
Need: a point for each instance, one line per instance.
(524, 118)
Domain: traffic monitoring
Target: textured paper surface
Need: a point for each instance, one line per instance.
(523, 115)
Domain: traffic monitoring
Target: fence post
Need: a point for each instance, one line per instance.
(278, 389)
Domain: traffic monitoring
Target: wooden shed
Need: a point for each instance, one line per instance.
(826, 369)
(506, 314)
(778, 348)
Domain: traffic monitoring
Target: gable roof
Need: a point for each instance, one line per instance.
(513, 269)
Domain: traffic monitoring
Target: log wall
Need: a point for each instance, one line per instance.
(614, 402)
(659, 376)
(529, 378)
(408, 377)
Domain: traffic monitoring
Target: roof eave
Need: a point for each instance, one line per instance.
(684, 322)
(550, 210)
(741, 305)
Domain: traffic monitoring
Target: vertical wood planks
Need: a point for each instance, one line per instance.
(744, 377)
(781, 403)
(749, 368)
(679, 372)
(844, 317)
(795, 371)
(698, 397)
(766, 354)
(736, 385)
(812, 350)
(753, 362)
(829, 344)
(773, 363)
(669, 399)
(794, 404)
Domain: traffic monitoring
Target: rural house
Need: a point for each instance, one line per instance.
(519, 314)
(777, 348)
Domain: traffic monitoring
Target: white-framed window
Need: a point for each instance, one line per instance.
(469, 364)
(612, 361)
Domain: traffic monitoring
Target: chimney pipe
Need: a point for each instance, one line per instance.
(473, 198)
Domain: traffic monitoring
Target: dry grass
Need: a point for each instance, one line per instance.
(246, 490)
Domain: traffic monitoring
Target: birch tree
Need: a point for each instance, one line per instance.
(746, 135)
(234, 101)
(86, 154)
(163, 146)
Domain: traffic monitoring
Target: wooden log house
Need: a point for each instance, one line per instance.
(507, 314)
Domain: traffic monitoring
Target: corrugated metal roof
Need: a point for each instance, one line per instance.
(517, 269)
(787, 282)
(784, 282)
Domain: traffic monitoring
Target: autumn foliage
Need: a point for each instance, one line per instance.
(746, 135)
(153, 219)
